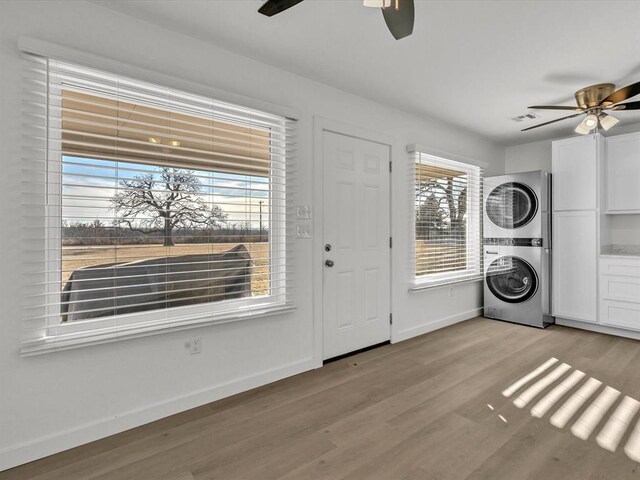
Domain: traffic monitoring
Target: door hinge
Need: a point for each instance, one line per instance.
(390, 165)
(391, 318)
(390, 242)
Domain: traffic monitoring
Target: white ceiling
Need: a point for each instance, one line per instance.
(475, 64)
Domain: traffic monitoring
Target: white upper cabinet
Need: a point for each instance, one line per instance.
(575, 178)
(623, 174)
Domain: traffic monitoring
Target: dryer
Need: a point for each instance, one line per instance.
(516, 282)
(518, 206)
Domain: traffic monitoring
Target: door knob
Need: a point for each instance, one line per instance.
(329, 263)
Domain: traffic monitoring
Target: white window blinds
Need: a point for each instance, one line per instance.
(447, 212)
(148, 208)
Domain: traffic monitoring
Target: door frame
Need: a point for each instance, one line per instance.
(321, 125)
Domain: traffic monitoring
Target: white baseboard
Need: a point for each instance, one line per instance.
(435, 325)
(596, 327)
(90, 432)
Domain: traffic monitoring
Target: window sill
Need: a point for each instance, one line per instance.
(67, 342)
(419, 287)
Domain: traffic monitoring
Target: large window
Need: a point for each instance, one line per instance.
(447, 220)
(158, 208)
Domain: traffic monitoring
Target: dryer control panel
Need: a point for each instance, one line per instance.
(514, 242)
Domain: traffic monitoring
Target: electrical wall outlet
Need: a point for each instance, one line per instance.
(195, 345)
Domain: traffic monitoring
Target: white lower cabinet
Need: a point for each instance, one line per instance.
(620, 292)
(620, 314)
(575, 266)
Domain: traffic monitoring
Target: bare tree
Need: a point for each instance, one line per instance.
(163, 201)
(442, 199)
(430, 217)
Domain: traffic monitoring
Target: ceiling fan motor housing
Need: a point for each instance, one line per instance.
(593, 95)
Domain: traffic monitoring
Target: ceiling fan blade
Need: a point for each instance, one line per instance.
(627, 106)
(273, 7)
(399, 18)
(556, 107)
(552, 121)
(622, 94)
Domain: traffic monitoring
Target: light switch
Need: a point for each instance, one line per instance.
(303, 212)
(304, 231)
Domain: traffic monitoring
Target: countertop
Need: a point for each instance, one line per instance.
(620, 251)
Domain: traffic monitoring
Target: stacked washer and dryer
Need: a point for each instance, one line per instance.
(517, 248)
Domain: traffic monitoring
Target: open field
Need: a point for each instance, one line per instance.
(76, 257)
(439, 258)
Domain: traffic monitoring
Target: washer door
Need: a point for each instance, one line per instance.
(512, 279)
(511, 205)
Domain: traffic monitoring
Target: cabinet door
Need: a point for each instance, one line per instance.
(575, 163)
(575, 257)
(623, 173)
(621, 314)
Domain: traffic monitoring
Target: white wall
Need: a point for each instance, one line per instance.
(624, 229)
(55, 401)
(528, 157)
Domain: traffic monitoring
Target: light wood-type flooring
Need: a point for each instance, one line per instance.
(417, 410)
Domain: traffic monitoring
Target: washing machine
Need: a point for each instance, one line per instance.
(518, 206)
(516, 281)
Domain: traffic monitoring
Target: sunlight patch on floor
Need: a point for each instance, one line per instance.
(556, 394)
(527, 378)
(610, 435)
(534, 390)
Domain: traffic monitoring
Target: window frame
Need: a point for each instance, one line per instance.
(473, 224)
(56, 335)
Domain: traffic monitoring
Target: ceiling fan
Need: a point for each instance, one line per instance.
(398, 14)
(593, 101)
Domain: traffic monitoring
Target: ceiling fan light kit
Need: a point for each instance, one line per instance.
(593, 101)
(582, 129)
(607, 121)
(587, 124)
(591, 121)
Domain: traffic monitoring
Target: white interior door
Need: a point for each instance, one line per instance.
(356, 241)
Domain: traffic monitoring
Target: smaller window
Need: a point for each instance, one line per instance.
(447, 212)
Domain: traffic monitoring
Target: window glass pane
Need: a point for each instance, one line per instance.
(447, 219)
(441, 220)
(143, 237)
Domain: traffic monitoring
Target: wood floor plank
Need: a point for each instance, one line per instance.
(407, 455)
(415, 410)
